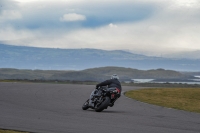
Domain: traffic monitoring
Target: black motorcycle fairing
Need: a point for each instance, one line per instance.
(102, 97)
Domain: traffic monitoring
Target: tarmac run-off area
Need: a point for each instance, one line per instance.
(56, 108)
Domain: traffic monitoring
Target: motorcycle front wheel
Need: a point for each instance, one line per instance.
(86, 105)
(103, 105)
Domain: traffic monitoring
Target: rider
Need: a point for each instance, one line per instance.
(112, 83)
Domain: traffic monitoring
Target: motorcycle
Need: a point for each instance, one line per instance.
(102, 98)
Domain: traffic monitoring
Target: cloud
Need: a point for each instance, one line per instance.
(6, 5)
(149, 27)
(42, 14)
(187, 3)
(10, 14)
(9, 10)
(72, 17)
(111, 25)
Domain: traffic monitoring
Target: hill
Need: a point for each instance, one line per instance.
(22, 57)
(93, 74)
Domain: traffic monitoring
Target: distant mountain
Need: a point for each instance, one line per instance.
(22, 57)
(188, 54)
(93, 74)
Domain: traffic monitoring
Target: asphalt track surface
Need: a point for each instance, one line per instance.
(56, 108)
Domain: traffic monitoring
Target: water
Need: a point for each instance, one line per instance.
(178, 82)
(191, 81)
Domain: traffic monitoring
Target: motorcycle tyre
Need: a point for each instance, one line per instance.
(86, 105)
(103, 105)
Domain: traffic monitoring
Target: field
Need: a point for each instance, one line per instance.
(178, 98)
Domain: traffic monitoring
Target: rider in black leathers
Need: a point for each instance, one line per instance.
(112, 83)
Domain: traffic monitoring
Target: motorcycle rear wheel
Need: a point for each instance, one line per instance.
(86, 105)
(103, 105)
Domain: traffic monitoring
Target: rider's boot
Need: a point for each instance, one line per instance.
(111, 104)
(91, 104)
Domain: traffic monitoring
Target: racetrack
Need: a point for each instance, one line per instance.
(56, 108)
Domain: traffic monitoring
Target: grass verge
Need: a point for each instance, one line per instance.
(187, 99)
(10, 131)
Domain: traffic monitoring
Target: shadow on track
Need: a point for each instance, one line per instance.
(106, 111)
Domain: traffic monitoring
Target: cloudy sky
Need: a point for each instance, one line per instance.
(150, 27)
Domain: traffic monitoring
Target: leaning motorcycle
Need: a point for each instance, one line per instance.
(102, 98)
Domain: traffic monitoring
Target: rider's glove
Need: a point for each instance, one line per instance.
(97, 86)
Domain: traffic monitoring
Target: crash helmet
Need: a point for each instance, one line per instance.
(114, 76)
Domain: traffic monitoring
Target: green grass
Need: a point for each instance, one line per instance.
(187, 99)
(10, 131)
